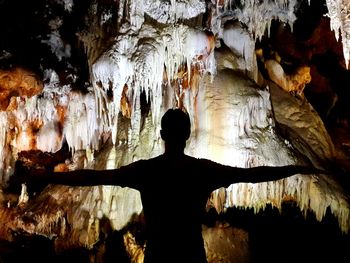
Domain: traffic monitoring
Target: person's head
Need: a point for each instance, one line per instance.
(175, 127)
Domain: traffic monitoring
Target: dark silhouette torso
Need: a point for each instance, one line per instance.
(174, 193)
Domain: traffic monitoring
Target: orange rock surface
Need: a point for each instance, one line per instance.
(17, 82)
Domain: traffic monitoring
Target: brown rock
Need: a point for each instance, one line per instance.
(17, 82)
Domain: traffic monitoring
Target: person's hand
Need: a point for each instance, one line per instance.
(14, 184)
(311, 170)
(35, 179)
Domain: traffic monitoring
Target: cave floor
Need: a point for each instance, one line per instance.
(274, 236)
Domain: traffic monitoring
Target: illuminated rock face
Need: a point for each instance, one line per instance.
(159, 56)
(294, 83)
(219, 244)
(17, 83)
(339, 15)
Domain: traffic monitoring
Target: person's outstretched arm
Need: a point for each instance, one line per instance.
(272, 173)
(128, 175)
(83, 177)
(223, 175)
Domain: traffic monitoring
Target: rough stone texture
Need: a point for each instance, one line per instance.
(297, 117)
(233, 118)
(17, 82)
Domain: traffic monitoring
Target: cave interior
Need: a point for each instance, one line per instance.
(265, 83)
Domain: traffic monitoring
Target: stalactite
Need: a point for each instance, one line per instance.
(139, 62)
(257, 15)
(241, 44)
(339, 11)
(173, 65)
(307, 191)
(82, 128)
(173, 11)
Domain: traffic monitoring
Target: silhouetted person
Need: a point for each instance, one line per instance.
(174, 190)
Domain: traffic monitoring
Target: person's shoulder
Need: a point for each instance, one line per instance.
(154, 159)
(137, 163)
(207, 163)
(151, 161)
(198, 160)
(202, 160)
(191, 158)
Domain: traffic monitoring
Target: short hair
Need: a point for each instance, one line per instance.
(176, 125)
